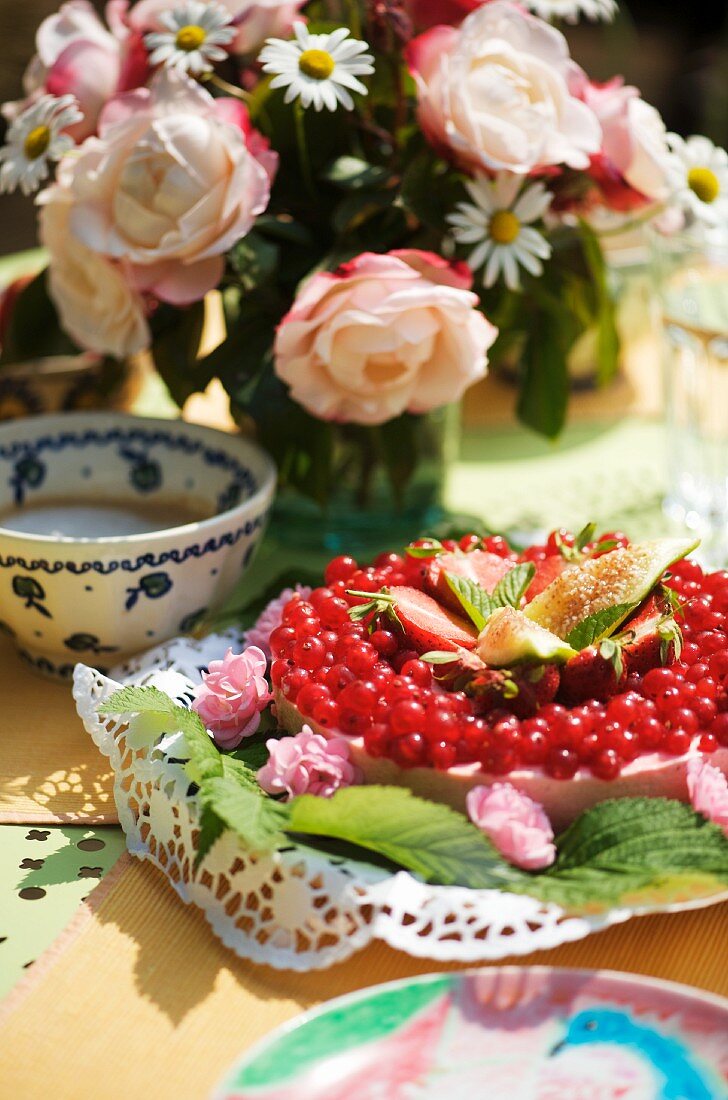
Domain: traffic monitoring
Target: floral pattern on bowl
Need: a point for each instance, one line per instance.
(118, 592)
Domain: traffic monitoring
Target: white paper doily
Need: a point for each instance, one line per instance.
(298, 909)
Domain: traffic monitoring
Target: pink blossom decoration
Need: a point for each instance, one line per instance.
(308, 763)
(708, 790)
(271, 617)
(517, 826)
(231, 696)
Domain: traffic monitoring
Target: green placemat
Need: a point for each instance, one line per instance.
(45, 873)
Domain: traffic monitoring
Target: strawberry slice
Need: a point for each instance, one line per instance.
(588, 676)
(643, 650)
(481, 566)
(547, 570)
(429, 626)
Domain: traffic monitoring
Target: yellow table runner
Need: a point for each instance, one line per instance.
(50, 769)
(139, 999)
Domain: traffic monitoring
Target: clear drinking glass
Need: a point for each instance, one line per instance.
(693, 293)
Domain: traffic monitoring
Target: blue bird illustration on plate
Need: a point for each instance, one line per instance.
(678, 1075)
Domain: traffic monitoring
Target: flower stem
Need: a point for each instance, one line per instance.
(226, 86)
(303, 157)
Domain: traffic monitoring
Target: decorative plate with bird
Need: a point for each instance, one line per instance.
(501, 1033)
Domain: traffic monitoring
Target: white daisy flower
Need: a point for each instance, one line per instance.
(35, 138)
(497, 223)
(698, 173)
(196, 32)
(318, 68)
(572, 10)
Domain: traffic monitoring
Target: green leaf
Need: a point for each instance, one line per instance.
(255, 259)
(585, 535)
(611, 650)
(358, 207)
(510, 588)
(353, 173)
(205, 759)
(177, 335)
(211, 828)
(595, 626)
(258, 820)
(284, 228)
(607, 334)
(475, 601)
(654, 835)
(431, 550)
(427, 838)
(439, 657)
(545, 386)
(35, 330)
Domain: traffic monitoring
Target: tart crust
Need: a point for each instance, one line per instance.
(650, 776)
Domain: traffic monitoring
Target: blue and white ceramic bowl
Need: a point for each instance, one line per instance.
(82, 575)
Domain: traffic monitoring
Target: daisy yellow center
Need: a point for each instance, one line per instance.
(37, 142)
(704, 183)
(190, 38)
(318, 64)
(504, 227)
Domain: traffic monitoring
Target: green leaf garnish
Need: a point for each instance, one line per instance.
(475, 601)
(427, 838)
(611, 650)
(670, 636)
(258, 820)
(432, 548)
(597, 625)
(512, 586)
(585, 535)
(377, 603)
(439, 657)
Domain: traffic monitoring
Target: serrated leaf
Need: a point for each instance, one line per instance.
(595, 626)
(138, 700)
(427, 838)
(511, 587)
(474, 600)
(211, 828)
(258, 820)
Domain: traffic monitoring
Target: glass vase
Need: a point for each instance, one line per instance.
(692, 280)
(382, 495)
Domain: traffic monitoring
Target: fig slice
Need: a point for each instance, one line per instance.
(510, 638)
(587, 602)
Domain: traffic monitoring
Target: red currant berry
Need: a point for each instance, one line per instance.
(340, 569)
(282, 641)
(407, 716)
(359, 695)
(408, 751)
(292, 683)
(561, 763)
(361, 658)
(469, 542)
(443, 755)
(385, 642)
(309, 695)
(606, 765)
(658, 680)
(326, 713)
(278, 670)
(417, 671)
(677, 742)
(708, 743)
(377, 740)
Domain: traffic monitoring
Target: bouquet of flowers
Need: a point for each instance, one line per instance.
(385, 193)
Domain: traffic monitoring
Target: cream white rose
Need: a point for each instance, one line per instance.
(96, 305)
(167, 188)
(494, 93)
(383, 335)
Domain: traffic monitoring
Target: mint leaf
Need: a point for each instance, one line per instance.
(585, 535)
(431, 549)
(656, 835)
(427, 838)
(475, 601)
(510, 588)
(439, 657)
(258, 820)
(211, 828)
(138, 700)
(595, 626)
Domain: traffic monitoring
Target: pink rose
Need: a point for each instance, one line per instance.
(255, 21)
(96, 303)
(271, 616)
(632, 165)
(517, 826)
(77, 55)
(708, 790)
(166, 188)
(383, 334)
(308, 764)
(494, 94)
(231, 696)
